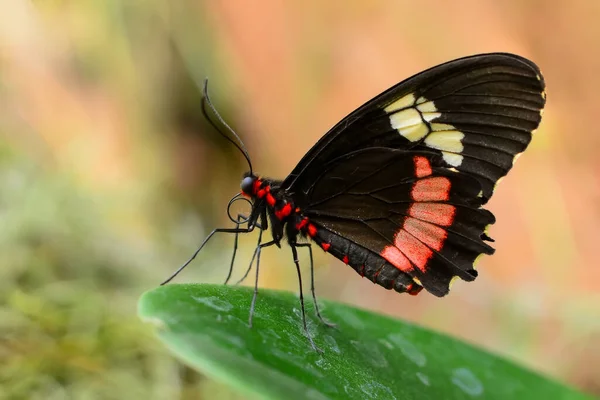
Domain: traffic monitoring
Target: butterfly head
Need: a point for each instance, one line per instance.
(251, 185)
(247, 185)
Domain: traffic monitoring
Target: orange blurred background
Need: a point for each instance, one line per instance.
(111, 176)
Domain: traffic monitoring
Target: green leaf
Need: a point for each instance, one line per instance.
(367, 356)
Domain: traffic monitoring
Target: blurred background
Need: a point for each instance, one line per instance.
(110, 177)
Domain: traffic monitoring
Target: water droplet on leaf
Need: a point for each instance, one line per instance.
(467, 381)
(408, 349)
(214, 303)
(423, 378)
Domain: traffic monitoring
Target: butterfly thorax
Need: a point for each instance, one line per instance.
(270, 200)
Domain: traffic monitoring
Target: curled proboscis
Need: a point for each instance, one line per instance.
(235, 219)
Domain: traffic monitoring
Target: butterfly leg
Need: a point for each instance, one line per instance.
(252, 260)
(210, 235)
(312, 284)
(241, 218)
(257, 254)
(302, 309)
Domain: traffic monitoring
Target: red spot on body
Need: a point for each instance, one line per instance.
(270, 199)
(263, 192)
(325, 246)
(346, 260)
(256, 186)
(300, 225)
(362, 271)
(439, 214)
(415, 250)
(422, 166)
(396, 258)
(285, 211)
(431, 189)
(432, 235)
(312, 230)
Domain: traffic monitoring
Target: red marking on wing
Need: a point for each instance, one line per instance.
(432, 235)
(325, 246)
(439, 214)
(431, 189)
(415, 250)
(414, 241)
(375, 275)
(396, 258)
(422, 166)
(312, 230)
(270, 200)
(284, 212)
(346, 260)
(414, 290)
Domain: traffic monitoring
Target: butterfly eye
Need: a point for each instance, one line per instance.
(247, 184)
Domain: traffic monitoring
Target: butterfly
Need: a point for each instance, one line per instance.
(396, 189)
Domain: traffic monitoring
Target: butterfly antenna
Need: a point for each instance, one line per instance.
(239, 144)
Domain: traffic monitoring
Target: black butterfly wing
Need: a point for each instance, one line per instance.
(477, 112)
(405, 207)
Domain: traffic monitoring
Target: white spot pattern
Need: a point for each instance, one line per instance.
(412, 118)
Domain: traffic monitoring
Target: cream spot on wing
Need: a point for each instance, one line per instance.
(436, 127)
(410, 124)
(452, 158)
(428, 116)
(421, 100)
(403, 102)
(427, 107)
(406, 118)
(446, 141)
(412, 119)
